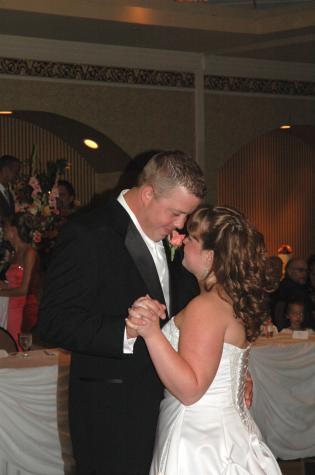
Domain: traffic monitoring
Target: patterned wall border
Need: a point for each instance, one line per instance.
(149, 77)
(261, 86)
(104, 74)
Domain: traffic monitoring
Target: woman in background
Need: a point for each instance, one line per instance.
(23, 278)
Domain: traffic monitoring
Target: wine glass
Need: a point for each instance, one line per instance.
(25, 340)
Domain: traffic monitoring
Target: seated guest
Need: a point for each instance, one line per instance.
(23, 275)
(293, 286)
(294, 313)
(275, 265)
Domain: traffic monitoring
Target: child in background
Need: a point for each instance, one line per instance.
(294, 312)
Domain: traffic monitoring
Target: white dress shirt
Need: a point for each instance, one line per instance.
(5, 193)
(157, 252)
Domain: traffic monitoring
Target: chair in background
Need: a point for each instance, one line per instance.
(7, 342)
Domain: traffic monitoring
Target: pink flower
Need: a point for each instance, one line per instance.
(175, 241)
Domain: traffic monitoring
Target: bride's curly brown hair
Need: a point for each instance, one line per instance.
(239, 262)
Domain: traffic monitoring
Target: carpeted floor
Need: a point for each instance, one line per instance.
(298, 467)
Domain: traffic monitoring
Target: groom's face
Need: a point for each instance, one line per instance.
(166, 212)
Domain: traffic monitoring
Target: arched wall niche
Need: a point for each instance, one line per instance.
(271, 180)
(233, 121)
(55, 137)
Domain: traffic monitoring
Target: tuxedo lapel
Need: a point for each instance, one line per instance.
(12, 204)
(144, 262)
(170, 273)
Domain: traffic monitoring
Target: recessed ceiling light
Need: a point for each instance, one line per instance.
(285, 126)
(90, 143)
(6, 112)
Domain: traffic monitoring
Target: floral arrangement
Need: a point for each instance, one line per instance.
(175, 241)
(37, 194)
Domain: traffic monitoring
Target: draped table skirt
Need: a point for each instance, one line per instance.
(34, 436)
(283, 372)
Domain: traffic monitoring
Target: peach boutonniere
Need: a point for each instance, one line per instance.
(175, 241)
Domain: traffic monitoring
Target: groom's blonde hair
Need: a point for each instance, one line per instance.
(167, 170)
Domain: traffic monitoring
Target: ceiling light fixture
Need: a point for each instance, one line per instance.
(285, 126)
(6, 112)
(91, 143)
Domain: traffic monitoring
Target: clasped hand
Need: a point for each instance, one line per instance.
(144, 316)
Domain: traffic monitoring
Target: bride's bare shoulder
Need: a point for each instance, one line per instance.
(206, 306)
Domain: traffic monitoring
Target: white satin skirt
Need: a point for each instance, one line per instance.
(209, 438)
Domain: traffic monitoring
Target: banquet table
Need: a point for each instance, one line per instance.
(34, 435)
(283, 372)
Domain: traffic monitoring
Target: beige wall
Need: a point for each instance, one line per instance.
(144, 118)
(136, 119)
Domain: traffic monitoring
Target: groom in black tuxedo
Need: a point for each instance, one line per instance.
(103, 262)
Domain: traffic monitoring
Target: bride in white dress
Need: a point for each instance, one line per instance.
(201, 355)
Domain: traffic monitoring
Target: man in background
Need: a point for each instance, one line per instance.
(9, 170)
(293, 286)
(66, 198)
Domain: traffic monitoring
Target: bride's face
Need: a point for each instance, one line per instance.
(196, 260)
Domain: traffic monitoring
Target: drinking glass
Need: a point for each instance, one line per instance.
(25, 340)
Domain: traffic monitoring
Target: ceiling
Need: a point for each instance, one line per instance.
(256, 29)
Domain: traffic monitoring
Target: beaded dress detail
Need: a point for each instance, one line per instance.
(216, 435)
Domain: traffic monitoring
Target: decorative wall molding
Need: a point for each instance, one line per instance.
(103, 74)
(151, 77)
(260, 86)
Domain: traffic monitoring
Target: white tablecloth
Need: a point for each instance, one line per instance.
(32, 437)
(4, 301)
(283, 407)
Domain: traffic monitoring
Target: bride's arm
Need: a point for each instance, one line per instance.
(188, 373)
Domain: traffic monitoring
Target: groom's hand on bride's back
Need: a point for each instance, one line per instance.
(248, 392)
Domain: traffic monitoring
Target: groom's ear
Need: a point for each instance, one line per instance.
(147, 194)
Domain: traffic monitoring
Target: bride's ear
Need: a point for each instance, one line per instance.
(209, 256)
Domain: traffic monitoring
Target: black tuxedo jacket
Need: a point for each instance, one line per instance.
(6, 209)
(100, 266)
